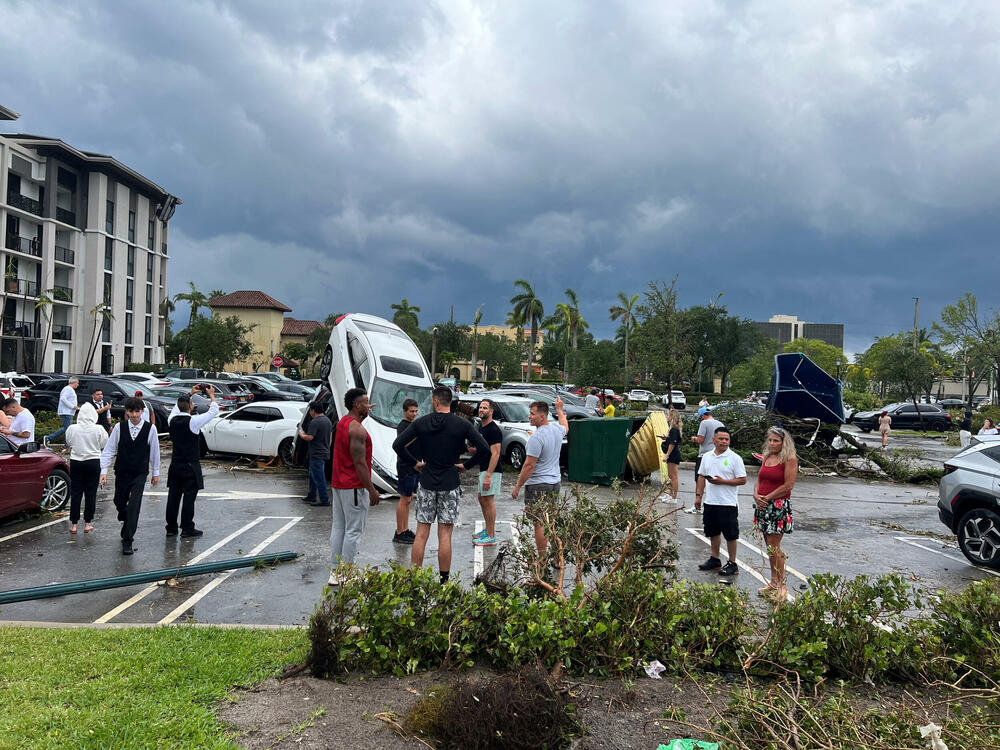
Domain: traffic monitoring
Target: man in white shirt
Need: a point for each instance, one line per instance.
(719, 478)
(135, 449)
(184, 477)
(66, 410)
(540, 475)
(22, 425)
(592, 402)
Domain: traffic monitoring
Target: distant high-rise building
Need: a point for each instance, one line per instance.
(82, 230)
(785, 328)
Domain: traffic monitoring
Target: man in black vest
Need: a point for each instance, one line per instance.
(184, 477)
(102, 408)
(135, 449)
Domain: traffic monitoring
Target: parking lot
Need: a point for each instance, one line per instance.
(842, 526)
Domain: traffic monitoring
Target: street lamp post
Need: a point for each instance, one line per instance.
(838, 368)
(700, 360)
(434, 351)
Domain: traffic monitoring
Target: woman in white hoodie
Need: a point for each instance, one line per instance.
(86, 440)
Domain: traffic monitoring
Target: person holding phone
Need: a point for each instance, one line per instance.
(720, 475)
(184, 477)
(671, 447)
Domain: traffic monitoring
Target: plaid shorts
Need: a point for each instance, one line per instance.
(437, 505)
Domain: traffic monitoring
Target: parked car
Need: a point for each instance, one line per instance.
(226, 392)
(45, 396)
(33, 478)
(41, 377)
(640, 395)
(262, 390)
(969, 500)
(296, 390)
(167, 396)
(572, 410)
(267, 429)
(676, 399)
(311, 382)
(13, 385)
(904, 416)
(146, 378)
(511, 415)
(476, 387)
(184, 373)
(377, 355)
(273, 377)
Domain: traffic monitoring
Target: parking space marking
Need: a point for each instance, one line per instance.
(196, 559)
(698, 535)
(236, 495)
(211, 585)
(477, 555)
(912, 541)
(788, 568)
(33, 528)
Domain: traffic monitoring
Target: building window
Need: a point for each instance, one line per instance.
(106, 331)
(59, 361)
(149, 299)
(128, 328)
(109, 254)
(128, 355)
(149, 268)
(152, 228)
(148, 356)
(107, 288)
(131, 226)
(149, 331)
(109, 217)
(129, 294)
(131, 261)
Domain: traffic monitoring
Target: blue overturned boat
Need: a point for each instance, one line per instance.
(801, 388)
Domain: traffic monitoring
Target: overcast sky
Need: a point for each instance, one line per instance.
(827, 160)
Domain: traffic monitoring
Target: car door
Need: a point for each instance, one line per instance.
(904, 418)
(275, 428)
(14, 478)
(239, 432)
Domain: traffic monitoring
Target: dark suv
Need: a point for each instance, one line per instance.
(45, 396)
(904, 416)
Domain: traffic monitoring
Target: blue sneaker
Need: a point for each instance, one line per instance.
(479, 534)
(485, 541)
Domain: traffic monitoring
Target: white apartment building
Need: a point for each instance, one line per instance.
(84, 231)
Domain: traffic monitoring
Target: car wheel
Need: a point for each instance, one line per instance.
(55, 494)
(979, 537)
(515, 456)
(286, 451)
(865, 429)
(327, 364)
(940, 427)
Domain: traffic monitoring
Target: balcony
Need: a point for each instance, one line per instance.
(23, 328)
(26, 245)
(65, 255)
(62, 293)
(20, 286)
(65, 216)
(23, 202)
(62, 333)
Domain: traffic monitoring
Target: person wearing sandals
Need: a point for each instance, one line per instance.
(671, 447)
(86, 439)
(884, 427)
(772, 514)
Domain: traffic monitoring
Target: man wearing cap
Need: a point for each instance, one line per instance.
(706, 429)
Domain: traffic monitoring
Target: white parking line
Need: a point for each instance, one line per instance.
(33, 528)
(477, 555)
(788, 568)
(196, 559)
(698, 535)
(912, 541)
(211, 585)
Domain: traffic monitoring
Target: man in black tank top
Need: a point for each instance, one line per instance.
(184, 477)
(134, 447)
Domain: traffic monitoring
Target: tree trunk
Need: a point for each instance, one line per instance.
(91, 347)
(531, 345)
(920, 414)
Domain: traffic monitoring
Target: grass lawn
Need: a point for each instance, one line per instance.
(137, 688)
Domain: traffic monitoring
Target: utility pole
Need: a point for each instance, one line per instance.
(916, 311)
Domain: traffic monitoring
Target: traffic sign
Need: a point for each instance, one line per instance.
(277, 362)
(180, 358)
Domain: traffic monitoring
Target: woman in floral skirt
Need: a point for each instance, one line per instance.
(773, 511)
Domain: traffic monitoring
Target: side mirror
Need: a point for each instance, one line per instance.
(27, 448)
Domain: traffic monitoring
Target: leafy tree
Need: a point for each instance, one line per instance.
(598, 363)
(101, 313)
(823, 354)
(736, 341)
(405, 315)
(44, 306)
(565, 324)
(907, 369)
(216, 342)
(755, 373)
(623, 311)
(297, 352)
(528, 306)
(973, 336)
(500, 356)
(215, 294)
(660, 349)
(196, 300)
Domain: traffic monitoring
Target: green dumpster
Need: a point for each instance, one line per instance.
(597, 449)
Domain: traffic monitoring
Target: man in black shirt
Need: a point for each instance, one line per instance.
(102, 408)
(489, 473)
(407, 465)
(441, 438)
(319, 437)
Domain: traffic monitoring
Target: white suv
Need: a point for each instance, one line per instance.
(676, 399)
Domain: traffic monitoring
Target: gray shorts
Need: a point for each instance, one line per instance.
(535, 492)
(437, 505)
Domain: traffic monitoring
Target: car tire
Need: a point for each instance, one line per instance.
(286, 451)
(55, 493)
(516, 455)
(326, 365)
(979, 537)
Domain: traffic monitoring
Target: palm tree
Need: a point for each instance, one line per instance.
(101, 313)
(215, 294)
(529, 307)
(475, 339)
(405, 315)
(515, 320)
(574, 319)
(167, 308)
(623, 312)
(197, 300)
(44, 305)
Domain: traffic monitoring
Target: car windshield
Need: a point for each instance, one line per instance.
(388, 398)
(266, 385)
(516, 411)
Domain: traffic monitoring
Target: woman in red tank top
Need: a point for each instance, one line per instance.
(773, 505)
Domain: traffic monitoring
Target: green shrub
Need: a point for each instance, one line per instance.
(46, 422)
(862, 400)
(967, 623)
(978, 417)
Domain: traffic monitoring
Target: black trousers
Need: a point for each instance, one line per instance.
(84, 477)
(128, 501)
(182, 491)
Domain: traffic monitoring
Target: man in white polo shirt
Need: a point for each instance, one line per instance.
(66, 410)
(719, 478)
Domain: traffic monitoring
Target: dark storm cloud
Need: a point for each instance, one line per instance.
(830, 161)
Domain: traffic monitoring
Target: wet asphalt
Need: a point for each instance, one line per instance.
(844, 526)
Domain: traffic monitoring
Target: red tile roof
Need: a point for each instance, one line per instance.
(248, 299)
(293, 327)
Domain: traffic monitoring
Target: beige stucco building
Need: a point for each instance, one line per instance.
(265, 317)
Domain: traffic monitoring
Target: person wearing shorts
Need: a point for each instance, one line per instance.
(440, 437)
(489, 473)
(408, 465)
(540, 475)
(719, 478)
